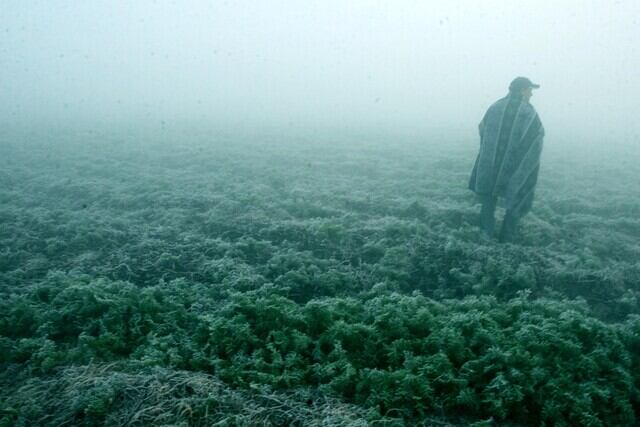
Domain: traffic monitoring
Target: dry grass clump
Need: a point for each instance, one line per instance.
(102, 395)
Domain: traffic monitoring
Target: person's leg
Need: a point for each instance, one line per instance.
(509, 226)
(487, 218)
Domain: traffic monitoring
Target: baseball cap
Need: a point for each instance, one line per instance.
(521, 83)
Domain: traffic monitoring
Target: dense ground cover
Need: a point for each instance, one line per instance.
(310, 281)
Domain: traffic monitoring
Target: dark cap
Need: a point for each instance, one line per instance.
(522, 83)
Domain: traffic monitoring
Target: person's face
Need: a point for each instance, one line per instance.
(527, 93)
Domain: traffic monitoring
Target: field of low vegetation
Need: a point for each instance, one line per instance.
(214, 279)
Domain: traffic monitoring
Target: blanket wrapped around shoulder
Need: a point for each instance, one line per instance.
(507, 165)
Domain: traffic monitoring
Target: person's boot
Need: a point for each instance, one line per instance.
(508, 230)
(487, 219)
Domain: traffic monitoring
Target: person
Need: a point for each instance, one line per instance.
(508, 162)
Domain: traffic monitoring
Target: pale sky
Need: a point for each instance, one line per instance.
(393, 65)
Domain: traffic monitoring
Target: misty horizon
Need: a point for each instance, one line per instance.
(401, 68)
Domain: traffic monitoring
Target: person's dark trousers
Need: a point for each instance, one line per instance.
(487, 214)
(509, 225)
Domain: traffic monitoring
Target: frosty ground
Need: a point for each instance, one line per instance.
(311, 279)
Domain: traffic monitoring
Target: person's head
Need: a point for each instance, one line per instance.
(522, 87)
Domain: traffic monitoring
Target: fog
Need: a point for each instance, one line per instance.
(394, 67)
(284, 206)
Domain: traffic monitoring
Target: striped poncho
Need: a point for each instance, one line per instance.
(507, 166)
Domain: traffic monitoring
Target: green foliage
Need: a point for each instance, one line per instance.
(404, 355)
(312, 274)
